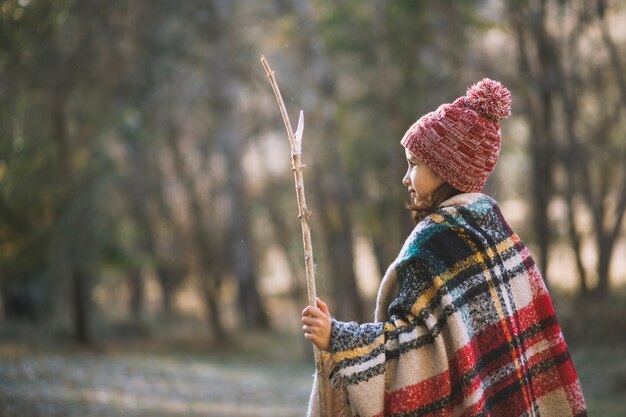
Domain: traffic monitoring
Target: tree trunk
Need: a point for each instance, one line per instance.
(341, 258)
(218, 332)
(136, 286)
(576, 244)
(540, 106)
(145, 239)
(206, 252)
(284, 238)
(332, 190)
(80, 297)
(604, 261)
(167, 277)
(606, 241)
(18, 298)
(242, 252)
(229, 141)
(172, 264)
(391, 216)
(556, 76)
(80, 301)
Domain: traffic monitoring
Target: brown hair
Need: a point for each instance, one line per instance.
(424, 207)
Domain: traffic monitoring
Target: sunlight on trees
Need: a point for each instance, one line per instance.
(141, 151)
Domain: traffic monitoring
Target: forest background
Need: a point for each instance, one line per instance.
(147, 211)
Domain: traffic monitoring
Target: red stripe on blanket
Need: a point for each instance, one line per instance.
(493, 336)
(467, 356)
(463, 362)
(438, 387)
(553, 378)
(416, 396)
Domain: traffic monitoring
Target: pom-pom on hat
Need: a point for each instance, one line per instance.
(460, 141)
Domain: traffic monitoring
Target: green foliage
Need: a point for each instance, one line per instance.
(95, 97)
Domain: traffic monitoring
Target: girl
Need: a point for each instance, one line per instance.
(464, 324)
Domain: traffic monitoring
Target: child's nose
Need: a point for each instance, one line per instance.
(406, 180)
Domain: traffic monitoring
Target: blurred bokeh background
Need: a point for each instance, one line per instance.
(150, 254)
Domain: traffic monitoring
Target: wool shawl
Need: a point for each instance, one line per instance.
(464, 327)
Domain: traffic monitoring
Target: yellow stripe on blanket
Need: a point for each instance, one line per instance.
(360, 351)
(440, 280)
(425, 298)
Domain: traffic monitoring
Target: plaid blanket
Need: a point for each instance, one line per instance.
(465, 327)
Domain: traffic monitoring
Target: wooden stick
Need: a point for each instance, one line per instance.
(303, 214)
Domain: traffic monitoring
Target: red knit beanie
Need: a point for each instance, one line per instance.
(460, 141)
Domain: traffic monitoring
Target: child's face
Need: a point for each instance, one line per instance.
(420, 179)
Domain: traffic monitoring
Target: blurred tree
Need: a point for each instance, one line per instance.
(539, 103)
(50, 57)
(26, 230)
(207, 247)
(333, 195)
(362, 87)
(229, 142)
(412, 63)
(287, 237)
(143, 176)
(126, 132)
(569, 83)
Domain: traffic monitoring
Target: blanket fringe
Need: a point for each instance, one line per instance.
(336, 394)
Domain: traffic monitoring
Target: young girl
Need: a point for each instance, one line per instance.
(464, 324)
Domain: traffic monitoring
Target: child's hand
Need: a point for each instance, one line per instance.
(316, 325)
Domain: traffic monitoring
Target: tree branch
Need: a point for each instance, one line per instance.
(303, 214)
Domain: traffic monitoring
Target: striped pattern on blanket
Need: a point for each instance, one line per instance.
(465, 327)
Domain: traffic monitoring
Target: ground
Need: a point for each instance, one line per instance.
(153, 381)
(266, 376)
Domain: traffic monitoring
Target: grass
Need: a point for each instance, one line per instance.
(602, 373)
(140, 380)
(258, 375)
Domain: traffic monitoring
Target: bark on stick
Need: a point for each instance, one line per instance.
(295, 141)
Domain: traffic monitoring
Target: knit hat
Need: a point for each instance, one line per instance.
(460, 141)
